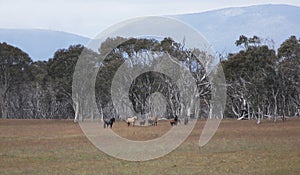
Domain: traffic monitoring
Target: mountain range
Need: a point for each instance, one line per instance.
(40, 44)
(220, 27)
(223, 27)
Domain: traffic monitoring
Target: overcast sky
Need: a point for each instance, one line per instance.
(90, 17)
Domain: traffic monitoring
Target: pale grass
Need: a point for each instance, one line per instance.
(238, 148)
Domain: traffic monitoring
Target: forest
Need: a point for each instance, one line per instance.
(260, 81)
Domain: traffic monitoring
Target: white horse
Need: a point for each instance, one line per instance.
(131, 120)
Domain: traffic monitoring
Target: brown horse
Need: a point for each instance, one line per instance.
(154, 121)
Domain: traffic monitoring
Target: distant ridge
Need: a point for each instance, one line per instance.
(220, 27)
(40, 44)
(223, 27)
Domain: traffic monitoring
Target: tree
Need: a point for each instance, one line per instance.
(41, 90)
(60, 71)
(141, 53)
(246, 42)
(289, 67)
(14, 71)
(249, 74)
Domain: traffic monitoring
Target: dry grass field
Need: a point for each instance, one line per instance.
(239, 147)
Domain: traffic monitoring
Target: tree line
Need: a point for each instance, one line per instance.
(263, 82)
(260, 81)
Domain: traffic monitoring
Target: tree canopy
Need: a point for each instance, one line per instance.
(260, 81)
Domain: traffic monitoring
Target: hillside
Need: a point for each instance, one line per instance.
(40, 44)
(223, 27)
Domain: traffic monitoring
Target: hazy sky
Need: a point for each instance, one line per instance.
(90, 17)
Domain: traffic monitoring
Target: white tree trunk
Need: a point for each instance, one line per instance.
(76, 119)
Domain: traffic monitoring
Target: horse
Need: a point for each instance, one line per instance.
(154, 121)
(142, 123)
(131, 120)
(109, 122)
(150, 122)
(174, 121)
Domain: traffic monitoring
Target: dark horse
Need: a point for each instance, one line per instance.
(109, 122)
(174, 121)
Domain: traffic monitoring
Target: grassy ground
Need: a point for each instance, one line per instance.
(239, 147)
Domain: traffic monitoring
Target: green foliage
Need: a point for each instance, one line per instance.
(262, 78)
(14, 64)
(61, 69)
(14, 72)
(290, 49)
(269, 82)
(246, 42)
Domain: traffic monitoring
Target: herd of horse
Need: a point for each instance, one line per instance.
(152, 121)
(108, 123)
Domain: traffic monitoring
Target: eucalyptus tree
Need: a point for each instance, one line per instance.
(60, 72)
(249, 74)
(14, 72)
(138, 53)
(289, 67)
